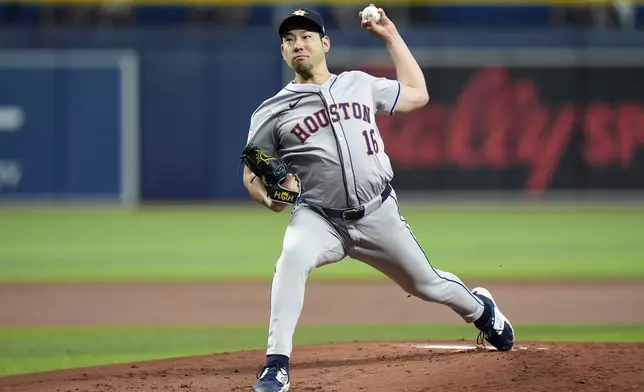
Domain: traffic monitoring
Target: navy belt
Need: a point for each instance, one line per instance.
(351, 214)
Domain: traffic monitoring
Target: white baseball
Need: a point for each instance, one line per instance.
(371, 11)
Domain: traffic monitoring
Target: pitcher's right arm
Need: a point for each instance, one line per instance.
(257, 191)
(262, 133)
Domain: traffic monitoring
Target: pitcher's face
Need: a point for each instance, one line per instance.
(304, 50)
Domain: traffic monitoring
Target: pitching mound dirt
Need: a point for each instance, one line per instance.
(378, 366)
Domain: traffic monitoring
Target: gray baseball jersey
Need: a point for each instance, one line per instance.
(328, 135)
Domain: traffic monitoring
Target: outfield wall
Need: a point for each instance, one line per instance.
(132, 114)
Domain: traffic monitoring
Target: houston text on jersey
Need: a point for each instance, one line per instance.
(320, 119)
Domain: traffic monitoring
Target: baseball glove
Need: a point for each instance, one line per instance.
(272, 171)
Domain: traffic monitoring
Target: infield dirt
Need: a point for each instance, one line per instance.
(357, 366)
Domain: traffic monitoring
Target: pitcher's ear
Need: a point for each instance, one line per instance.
(326, 43)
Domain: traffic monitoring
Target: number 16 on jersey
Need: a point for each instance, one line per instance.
(370, 140)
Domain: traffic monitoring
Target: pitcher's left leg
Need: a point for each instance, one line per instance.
(385, 241)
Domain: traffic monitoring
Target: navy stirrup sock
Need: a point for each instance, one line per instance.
(276, 359)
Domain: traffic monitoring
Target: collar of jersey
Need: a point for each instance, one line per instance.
(309, 88)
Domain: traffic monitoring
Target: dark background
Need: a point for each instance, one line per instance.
(585, 90)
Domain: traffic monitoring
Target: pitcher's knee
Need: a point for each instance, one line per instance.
(295, 260)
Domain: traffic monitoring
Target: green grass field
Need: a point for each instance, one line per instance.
(25, 350)
(518, 242)
(243, 242)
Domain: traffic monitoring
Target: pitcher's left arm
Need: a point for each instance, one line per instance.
(413, 88)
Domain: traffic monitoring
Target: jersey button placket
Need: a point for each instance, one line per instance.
(344, 149)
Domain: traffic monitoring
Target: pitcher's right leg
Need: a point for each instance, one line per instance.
(309, 242)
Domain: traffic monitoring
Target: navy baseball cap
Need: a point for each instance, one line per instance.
(302, 18)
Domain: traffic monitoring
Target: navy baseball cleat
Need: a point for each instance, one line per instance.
(272, 378)
(497, 331)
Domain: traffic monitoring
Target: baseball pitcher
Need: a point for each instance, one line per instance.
(316, 146)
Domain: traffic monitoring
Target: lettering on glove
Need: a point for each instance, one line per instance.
(273, 172)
